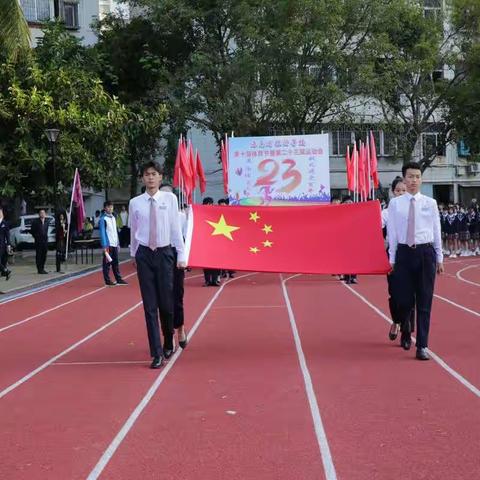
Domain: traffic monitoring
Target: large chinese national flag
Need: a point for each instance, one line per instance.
(307, 239)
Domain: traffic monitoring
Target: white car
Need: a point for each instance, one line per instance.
(20, 236)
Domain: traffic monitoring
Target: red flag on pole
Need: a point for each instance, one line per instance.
(77, 197)
(373, 160)
(224, 159)
(260, 239)
(186, 171)
(176, 171)
(193, 168)
(349, 169)
(361, 172)
(200, 173)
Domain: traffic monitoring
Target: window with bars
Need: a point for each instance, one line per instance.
(432, 144)
(69, 14)
(36, 10)
(340, 139)
(432, 9)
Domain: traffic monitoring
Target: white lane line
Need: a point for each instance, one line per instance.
(328, 466)
(441, 362)
(68, 350)
(457, 305)
(61, 305)
(247, 306)
(127, 426)
(73, 300)
(12, 297)
(459, 276)
(121, 362)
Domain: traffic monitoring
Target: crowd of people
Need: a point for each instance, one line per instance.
(460, 229)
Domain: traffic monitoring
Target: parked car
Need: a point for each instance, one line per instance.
(20, 236)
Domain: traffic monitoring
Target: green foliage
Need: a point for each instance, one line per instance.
(14, 32)
(51, 87)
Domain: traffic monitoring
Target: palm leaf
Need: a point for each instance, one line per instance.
(14, 31)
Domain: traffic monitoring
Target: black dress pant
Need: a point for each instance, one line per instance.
(211, 276)
(3, 261)
(178, 292)
(41, 249)
(155, 274)
(113, 252)
(395, 314)
(414, 280)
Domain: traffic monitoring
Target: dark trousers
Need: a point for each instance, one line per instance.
(414, 280)
(41, 249)
(393, 305)
(211, 276)
(155, 274)
(178, 292)
(124, 237)
(3, 262)
(113, 252)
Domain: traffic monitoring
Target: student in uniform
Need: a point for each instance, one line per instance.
(178, 281)
(463, 233)
(155, 231)
(472, 219)
(398, 188)
(451, 229)
(415, 250)
(212, 276)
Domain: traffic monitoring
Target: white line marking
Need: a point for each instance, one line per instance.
(73, 300)
(441, 362)
(68, 350)
(459, 276)
(127, 426)
(457, 305)
(247, 306)
(328, 466)
(123, 362)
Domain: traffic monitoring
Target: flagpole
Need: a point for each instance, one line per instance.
(70, 212)
(355, 174)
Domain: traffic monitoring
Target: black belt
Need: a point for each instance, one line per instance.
(418, 245)
(158, 249)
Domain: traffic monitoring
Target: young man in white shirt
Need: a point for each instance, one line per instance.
(415, 249)
(110, 244)
(155, 232)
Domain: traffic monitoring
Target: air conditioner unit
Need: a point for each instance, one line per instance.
(459, 171)
(473, 169)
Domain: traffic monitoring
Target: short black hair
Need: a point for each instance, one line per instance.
(40, 209)
(411, 166)
(222, 201)
(207, 201)
(155, 165)
(107, 203)
(396, 181)
(346, 198)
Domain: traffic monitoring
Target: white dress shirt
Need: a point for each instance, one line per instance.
(111, 230)
(168, 225)
(427, 223)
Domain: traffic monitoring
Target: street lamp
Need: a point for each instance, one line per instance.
(52, 135)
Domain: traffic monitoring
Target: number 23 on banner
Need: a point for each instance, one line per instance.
(290, 178)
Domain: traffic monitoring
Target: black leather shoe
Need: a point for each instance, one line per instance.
(422, 354)
(406, 341)
(183, 343)
(157, 362)
(167, 353)
(8, 273)
(393, 333)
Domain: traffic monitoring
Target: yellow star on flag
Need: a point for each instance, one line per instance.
(222, 228)
(267, 229)
(254, 216)
(267, 243)
(254, 249)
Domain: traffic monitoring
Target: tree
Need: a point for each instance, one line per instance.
(139, 63)
(411, 68)
(52, 86)
(464, 98)
(14, 32)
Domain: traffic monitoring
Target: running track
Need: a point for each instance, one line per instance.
(286, 377)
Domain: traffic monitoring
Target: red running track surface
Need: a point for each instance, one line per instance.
(234, 403)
